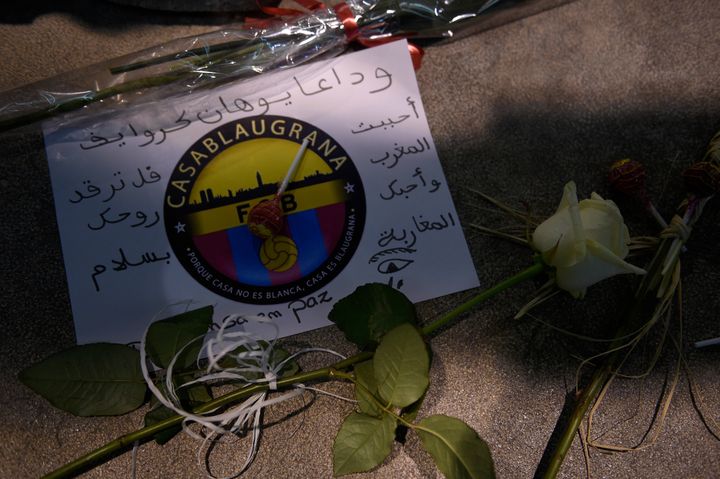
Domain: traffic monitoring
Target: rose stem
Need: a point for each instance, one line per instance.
(195, 52)
(125, 87)
(450, 316)
(145, 434)
(77, 103)
(600, 377)
(128, 440)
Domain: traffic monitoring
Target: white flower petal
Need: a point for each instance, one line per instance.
(569, 196)
(599, 264)
(585, 241)
(603, 223)
(560, 238)
(553, 240)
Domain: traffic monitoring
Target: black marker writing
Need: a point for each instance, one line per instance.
(443, 222)
(308, 303)
(122, 263)
(391, 158)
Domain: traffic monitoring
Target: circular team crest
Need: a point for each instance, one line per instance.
(239, 165)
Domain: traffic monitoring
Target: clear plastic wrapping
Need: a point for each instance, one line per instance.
(202, 62)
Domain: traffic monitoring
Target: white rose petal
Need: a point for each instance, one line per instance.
(599, 264)
(585, 241)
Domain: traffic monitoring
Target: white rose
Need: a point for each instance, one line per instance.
(585, 242)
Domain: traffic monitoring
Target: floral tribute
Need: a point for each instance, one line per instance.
(189, 369)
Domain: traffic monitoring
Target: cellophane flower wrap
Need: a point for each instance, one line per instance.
(252, 48)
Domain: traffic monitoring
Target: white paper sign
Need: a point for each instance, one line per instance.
(153, 204)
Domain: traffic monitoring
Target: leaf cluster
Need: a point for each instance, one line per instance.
(390, 388)
(105, 379)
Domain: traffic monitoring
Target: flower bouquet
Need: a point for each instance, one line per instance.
(290, 38)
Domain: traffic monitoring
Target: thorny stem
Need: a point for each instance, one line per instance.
(200, 53)
(586, 397)
(145, 434)
(526, 274)
(93, 97)
(142, 435)
(190, 68)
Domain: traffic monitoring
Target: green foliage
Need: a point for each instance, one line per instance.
(408, 415)
(458, 451)
(366, 389)
(402, 366)
(165, 338)
(100, 379)
(159, 414)
(104, 379)
(168, 336)
(371, 311)
(395, 382)
(362, 443)
(279, 355)
(189, 397)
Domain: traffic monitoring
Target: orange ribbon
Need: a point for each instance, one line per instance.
(346, 16)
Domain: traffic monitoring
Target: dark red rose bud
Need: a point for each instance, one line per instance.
(702, 178)
(628, 176)
(266, 218)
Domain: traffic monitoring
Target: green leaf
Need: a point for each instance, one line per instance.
(190, 397)
(457, 449)
(157, 415)
(363, 442)
(290, 368)
(168, 336)
(366, 389)
(100, 379)
(194, 395)
(371, 311)
(408, 414)
(402, 365)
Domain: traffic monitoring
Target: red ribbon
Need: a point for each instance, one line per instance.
(290, 12)
(346, 16)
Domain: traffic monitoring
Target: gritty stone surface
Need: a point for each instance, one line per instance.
(515, 112)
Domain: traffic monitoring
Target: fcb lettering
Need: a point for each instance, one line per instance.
(228, 171)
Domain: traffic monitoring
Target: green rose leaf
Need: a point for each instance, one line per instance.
(362, 443)
(168, 336)
(366, 388)
(190, 397)
(371, 311)
(402, 365)
(157, 415)
(290, 368)
(408, 414)
(101, 379)
(457, 449)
